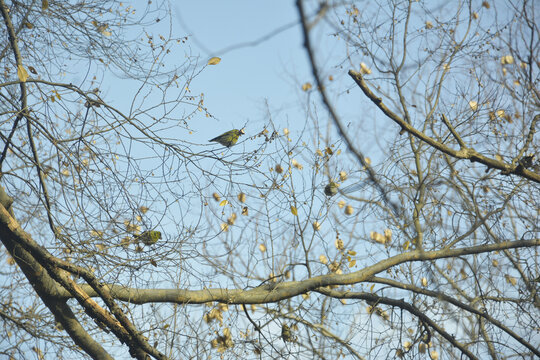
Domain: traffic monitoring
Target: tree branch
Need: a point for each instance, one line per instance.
(463, 153)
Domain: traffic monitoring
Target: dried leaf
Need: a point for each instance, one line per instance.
(214, 60)
(294, 211)
(307, 86)
(242, 197)
(21, 73)
(364, 69)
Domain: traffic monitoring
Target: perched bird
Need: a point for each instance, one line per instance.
(149, 237)
(229, 138)
(286, 333)
(331, 189)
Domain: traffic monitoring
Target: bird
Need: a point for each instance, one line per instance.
(286, 333)
(331, 189)
(229, 138)
(149, 237)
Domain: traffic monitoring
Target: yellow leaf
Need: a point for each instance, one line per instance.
(512, 280)
(242, 197)
(232, 219)
(371, 288)
(377, 237)
(214, 60)
(44, 4)
(507, 60)
(364, 69)
(223, 203)
(296, 164)
(307, 86)
(294, 211)
(351, 252)
(406, 245)
(352, 263)
(388, 235)
(21, 73)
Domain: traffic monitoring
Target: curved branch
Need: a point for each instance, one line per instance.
(457, 303)
(285, 290)
(372, 298)
(463, 153)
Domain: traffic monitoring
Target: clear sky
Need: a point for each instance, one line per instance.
(262, 70)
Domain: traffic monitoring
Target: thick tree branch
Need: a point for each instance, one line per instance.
(47, 288)
(121, 326)
(281, 291)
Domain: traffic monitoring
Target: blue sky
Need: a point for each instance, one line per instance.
(237, 88)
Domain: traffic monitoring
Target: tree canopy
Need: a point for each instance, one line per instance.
(396, 216)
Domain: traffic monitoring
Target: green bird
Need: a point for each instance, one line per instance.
(331, 189)
(286, 333)
(149, 237)
(229, 138)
